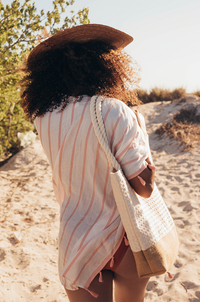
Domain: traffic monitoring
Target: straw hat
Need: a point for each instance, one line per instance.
(83, 33)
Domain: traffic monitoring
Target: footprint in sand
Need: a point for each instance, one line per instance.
(152, 285)
(187, 206)
(34, 288)
(197, 293)
(175, 189)
(21, 259)
(178, 263)
(2, 254)
(178, 178)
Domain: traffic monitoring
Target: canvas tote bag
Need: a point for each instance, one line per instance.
(148, 224)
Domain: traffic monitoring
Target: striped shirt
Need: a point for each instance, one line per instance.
(90, 226)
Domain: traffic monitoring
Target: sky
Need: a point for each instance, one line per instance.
(166, 36)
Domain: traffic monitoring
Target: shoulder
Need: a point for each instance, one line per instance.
(113, 108)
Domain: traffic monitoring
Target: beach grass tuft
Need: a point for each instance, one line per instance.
(160, 95)
(185, 127)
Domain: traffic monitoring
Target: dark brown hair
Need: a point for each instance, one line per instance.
(78, 69)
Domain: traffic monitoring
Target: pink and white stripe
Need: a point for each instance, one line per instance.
(90, 226)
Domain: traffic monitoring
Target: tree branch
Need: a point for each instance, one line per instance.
(18, 40)
(2, 20)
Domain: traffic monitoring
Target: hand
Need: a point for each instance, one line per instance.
(151, 167)
(143, 184)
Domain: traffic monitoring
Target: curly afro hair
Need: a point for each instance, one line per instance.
(77, 69)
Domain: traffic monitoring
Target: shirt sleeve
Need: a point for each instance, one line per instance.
(128, 141)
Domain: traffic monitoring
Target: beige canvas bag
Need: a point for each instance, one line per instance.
(148, 224)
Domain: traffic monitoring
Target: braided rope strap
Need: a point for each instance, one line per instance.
(99, 129)
(124, 196)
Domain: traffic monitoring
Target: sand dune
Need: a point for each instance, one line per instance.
(29, 219)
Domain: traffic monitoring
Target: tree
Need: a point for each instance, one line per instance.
(22, 28)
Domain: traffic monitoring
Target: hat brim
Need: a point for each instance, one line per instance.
(83, 33)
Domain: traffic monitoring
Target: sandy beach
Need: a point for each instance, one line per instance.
(29, 218)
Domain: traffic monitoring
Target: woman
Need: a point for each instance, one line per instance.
(62, 74)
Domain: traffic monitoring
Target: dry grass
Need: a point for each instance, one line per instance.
(185, 127)
(197, 93)
(160, 95)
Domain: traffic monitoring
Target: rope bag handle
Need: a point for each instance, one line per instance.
(100, 132)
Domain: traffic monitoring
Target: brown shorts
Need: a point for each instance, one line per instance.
(118, 256)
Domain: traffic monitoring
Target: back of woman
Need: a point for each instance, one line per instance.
(88, 214)
(60, 80)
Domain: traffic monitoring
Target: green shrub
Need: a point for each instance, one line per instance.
(12, 121)
(20, 25)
